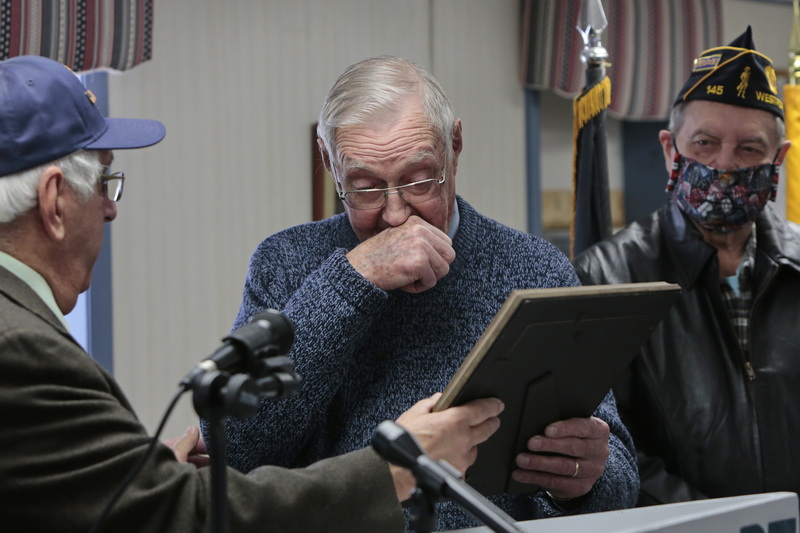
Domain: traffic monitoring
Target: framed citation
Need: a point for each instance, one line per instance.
(551, 354)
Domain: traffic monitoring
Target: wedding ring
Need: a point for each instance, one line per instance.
(577, 468)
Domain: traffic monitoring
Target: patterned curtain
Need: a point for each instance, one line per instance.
(651, 46)
(82, 34)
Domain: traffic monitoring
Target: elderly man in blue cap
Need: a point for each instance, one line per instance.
(712, 399)
(69, 437)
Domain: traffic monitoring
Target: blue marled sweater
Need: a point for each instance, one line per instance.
(366, 355)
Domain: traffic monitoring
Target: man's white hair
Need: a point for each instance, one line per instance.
(19, 191)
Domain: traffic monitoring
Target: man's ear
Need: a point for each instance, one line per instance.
(784, 147)
(52, 187)
(667, 147)
(458, 143)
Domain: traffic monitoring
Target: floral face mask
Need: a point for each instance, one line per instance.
(722, 201)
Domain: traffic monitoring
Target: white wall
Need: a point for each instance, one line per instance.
(238, 85)
(771, 23)
(772, 27)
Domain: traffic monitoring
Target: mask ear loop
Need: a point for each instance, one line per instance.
(776, 171)
(676, 163)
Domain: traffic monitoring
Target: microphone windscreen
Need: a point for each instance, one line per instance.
(280, 324)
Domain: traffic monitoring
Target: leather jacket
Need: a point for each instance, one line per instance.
(706, 420)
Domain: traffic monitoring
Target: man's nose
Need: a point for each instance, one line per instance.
(110, 210)
(396, 211)
(726, 159)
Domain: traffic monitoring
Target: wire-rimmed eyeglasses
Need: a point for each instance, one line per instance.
(112, 185)
(413, 193)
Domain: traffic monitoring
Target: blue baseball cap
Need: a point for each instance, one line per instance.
(46, 113)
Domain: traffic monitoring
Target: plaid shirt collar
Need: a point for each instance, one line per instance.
(737, 291)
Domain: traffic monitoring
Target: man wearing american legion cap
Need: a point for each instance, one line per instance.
(69, 436)
(712, 399)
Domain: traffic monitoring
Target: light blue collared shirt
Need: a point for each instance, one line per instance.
(35, 281)
(454, 222)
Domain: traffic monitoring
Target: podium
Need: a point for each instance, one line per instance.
(774, 512)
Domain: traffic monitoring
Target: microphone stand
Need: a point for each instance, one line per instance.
(219, 483)
(435, 480)
(210, 403)
(217, 395)
(422, 509)
(438, 479)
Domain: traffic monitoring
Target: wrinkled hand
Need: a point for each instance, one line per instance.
(411, 257)
(581, 445)
(452, 435)
(190, 448)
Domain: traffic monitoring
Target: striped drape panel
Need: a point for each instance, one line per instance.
(82, 34)
(651, 46)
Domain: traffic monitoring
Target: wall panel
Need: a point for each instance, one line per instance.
(238, 85)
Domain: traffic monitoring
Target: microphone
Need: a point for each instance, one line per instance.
(267, 334)
(437, 478)
(397, 445)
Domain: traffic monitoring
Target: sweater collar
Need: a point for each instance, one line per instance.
(454, 222)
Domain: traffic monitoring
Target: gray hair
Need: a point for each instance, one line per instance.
(678, 115)
(19, 191)
(375, 88)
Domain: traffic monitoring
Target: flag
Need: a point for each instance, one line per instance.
(791, 102)
(591, 217)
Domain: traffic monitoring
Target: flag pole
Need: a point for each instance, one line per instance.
(591, 220)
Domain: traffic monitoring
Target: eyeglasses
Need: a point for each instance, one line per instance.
(413, 193)
(111, 185)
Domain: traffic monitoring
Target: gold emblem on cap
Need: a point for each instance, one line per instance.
(772, 78)
(90, 95)
(741, 89)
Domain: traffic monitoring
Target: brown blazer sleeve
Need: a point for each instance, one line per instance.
(69, 437)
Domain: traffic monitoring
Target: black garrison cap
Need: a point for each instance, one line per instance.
(735, 74)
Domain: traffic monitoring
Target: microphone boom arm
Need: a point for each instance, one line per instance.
(446, 480)
(437, 479)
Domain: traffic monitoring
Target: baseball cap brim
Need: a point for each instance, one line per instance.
(123, 133)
